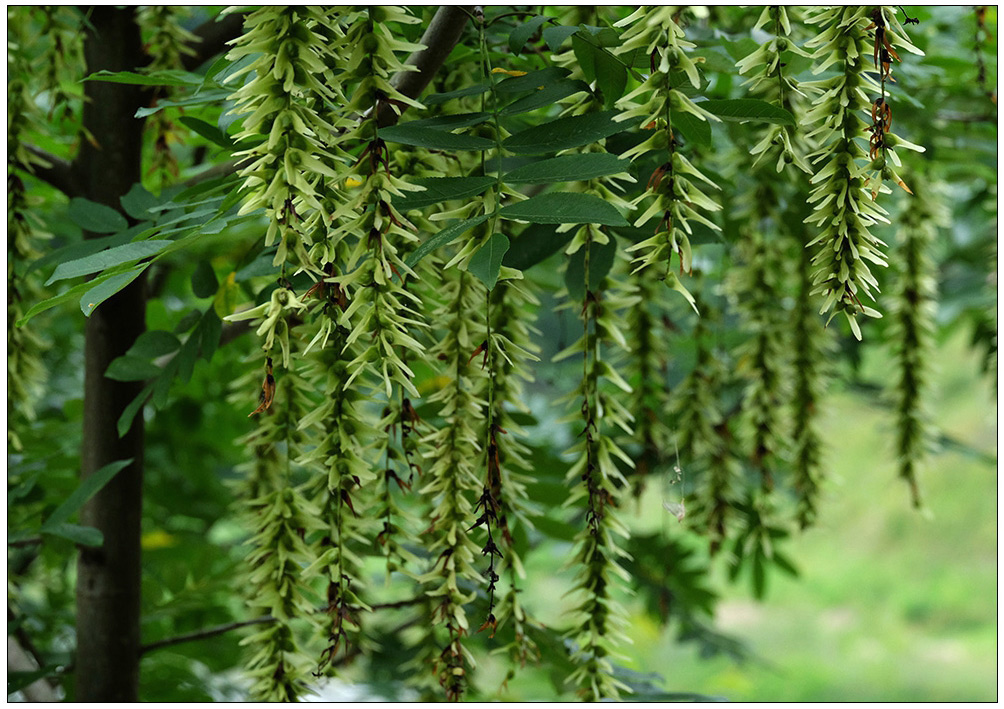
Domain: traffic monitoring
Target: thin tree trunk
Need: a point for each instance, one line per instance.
(108, 579)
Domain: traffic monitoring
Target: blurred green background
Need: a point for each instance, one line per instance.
(891, 604)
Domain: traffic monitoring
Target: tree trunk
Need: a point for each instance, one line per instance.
(108, 579)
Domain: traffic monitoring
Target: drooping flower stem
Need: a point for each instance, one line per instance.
(914, 306)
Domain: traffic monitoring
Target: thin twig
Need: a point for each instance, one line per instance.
(227, 627)
(202, 634)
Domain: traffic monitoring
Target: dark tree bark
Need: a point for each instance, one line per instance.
(108, 578)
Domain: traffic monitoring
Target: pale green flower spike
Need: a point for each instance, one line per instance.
(781, 144)
(284, 108)
(678, 186)
(280, 305)
(913, 309)
(844, 194)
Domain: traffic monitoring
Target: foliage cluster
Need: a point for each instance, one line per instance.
(648, 216)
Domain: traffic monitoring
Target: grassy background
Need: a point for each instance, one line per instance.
(892, 604)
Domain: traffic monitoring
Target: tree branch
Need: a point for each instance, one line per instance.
(213, 38)
(55, 171)
(227, 627)
(204, 633)
(440, 37)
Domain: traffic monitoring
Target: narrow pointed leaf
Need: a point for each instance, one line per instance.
(94, 217)
(567, 168)
(109, 258)
(565, 208)
(107, 288)
(748, 109)
(84, 536)
(424, 137)
(443, 238)
(487, 261)
(85, 491)
(564, 133)
(521, 35)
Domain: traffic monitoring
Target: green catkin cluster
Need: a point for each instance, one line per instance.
(703, 436)
(452, 478)
(757, 281)
(509, 306)
(167, 44)
(381, 312)
(798, 379)
(781, 144)
(648, 322)
(843, 196)
(762, 360)
(281, 517)
(913, 306)
(598, 619)
(676, 184)
(338, 429)
(284, 106)
(811, 345)
(25, 372)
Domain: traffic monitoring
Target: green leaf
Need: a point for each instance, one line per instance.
(602, 36)
(203, 98)
(169, 77)
(106, 289)
(486, 262)
(204, 283)
(533, 80)
(521, 35)
(564, 133)
(129, 368)
(137, 202)
(94, 217)
(208, 131)
(748, 109)
(565, 208)
(569, 168)
(162, 384)
(423, 137)
(443, 238)
(155, 343)
(692, 128)
(453, 121)
(209, 331)
(185, 359)
(441, 189)
(60, 299)
(87, 247)
(435, 99)
(130, 411)
(556, 36)
(88, 487)
(534, 244)
(109, 258)
(601, 260)
(601, 66)
(546, 96)
(84, 536)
